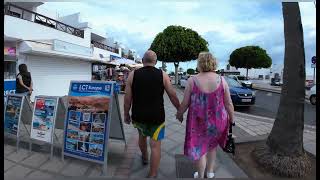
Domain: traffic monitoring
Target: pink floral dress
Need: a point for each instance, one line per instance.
(207, 122)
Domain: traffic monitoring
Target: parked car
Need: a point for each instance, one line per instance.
(309, 84)
(242, 80)
(276, 82)
(240, 95)
(312, 95)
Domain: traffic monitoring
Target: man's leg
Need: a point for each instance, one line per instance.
(155, 157)
(143, 146)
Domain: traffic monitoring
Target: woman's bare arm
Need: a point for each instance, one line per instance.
(227, 100)
(186, 100)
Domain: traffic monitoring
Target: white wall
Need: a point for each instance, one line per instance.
(52, 75)
(74, 20)
(254, 73)
(105, 53)
(23, 29)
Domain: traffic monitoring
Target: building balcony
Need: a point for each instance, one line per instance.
(105, 47)
(25, 14)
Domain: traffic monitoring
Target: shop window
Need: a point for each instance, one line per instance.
(9, 69)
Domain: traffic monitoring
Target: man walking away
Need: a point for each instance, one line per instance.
(144, 91)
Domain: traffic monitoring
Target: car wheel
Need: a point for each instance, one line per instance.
(313, 100)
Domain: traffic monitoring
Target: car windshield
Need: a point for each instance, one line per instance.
(232, 82)
(242, 78)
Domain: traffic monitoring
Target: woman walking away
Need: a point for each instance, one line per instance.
(210, 113)
(24, 81)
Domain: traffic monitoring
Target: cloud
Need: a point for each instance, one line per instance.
(226, 25)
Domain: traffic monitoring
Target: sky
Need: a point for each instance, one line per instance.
(226, 25)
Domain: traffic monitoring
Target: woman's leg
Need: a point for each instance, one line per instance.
(211, 155)
(201, 165)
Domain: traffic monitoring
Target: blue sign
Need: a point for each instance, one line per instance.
(71, 48)
(90, 89)
(116, 88)
(313, 60)
(12, 114)
(9, 87)
(86, 126)
(112, 57)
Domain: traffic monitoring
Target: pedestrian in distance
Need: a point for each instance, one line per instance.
(144, 93)
(210, 113)
(24, 85)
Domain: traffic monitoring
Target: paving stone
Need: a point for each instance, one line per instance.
(8, 149)
(223, 173)
(310, 147)
(250, 132)
(36, 159)
(177, 150)
(97, 171)
(177, 137)
(8, 164)
(54, 165)
(76, 168)
(19, 156)
(140, 173)
(17, 171)
(167, 165)
(137, 165)
(40, 174)
(168, 144)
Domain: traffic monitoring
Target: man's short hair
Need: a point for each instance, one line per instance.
(149, 57)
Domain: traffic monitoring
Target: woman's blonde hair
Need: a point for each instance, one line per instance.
(206, 62)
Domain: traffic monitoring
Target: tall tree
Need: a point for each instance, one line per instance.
(178, 44)
(250, 57)
(283, 152)
(191, 71)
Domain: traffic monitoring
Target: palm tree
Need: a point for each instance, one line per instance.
(283, 152)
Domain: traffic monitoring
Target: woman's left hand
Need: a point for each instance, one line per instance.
(179, 116)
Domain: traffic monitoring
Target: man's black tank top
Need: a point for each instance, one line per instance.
(147, 96)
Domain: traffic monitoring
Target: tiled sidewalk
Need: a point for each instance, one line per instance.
(258, 126)
(126, 162)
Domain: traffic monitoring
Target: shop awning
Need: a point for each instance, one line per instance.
(135, 65)
(45, 47)
(123, 61)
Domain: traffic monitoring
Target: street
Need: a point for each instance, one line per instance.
(267, 104)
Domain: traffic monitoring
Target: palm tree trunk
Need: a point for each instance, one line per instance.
(284, 152)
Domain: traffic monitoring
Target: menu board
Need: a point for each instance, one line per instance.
(43, 118)
(87, 120)
(12, 114)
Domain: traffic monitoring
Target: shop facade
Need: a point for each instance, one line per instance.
(10, 67)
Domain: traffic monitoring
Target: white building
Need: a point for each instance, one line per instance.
(55, 49)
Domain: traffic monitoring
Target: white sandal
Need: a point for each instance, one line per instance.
(210, 175)
(196, 175)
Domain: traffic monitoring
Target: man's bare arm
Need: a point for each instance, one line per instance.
(170, 91)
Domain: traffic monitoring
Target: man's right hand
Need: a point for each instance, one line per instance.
(127, 118)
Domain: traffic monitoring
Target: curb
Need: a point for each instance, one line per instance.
(266, 89)
(271, 90)
(268, 119)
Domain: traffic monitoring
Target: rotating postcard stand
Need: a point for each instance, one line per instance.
(12, 117)
(43, 122)
(88, 121)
